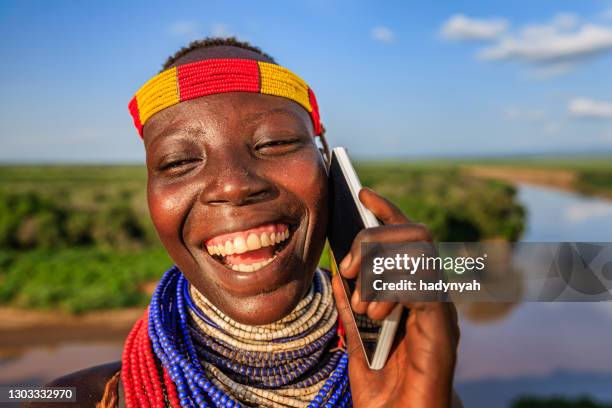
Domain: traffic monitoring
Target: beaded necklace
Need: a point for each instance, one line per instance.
(207, 359)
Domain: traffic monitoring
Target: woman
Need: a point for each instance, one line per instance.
(237, 192)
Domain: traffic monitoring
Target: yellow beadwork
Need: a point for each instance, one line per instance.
(316, 310)
(279, 81)
(208, 77)
(320, 309)
(158, 93)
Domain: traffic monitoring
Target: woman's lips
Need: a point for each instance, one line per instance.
(249, 250)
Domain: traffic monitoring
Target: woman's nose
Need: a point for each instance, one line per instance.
(232, 183)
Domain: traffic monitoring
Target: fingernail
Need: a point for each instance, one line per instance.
(345, 263)
(355, 299)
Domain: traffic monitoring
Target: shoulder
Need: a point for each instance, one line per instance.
(89, 384)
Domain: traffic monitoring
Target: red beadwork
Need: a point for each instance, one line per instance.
(142, 382)
(137, 376)
(133, 107)
(209, 77)
(147, 384)
(158, 393)
(314, 115)
(171, 391)
(215, 76)
(340, 332)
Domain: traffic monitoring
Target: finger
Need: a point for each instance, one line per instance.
(350, 265)
(357, 305)
(374, 310)
(382, 208)
(380, 310)
(353, 346)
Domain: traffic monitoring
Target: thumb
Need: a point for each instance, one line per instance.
(353, 346)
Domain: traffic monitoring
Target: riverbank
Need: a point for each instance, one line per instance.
(564, 180)
(584, 175)
(26, 328)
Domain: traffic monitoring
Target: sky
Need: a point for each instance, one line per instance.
(393, 79)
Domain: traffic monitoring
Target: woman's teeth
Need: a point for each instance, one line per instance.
(250, 250)
(253, 241)
(252, 267)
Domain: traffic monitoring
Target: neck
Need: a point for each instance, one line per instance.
(256, 361)
(207, 358)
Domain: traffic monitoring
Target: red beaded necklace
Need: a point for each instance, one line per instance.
(143, 381)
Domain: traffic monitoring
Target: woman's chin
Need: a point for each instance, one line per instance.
(266, 307)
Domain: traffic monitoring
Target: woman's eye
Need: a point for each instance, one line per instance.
(280, 145)
(177, 165)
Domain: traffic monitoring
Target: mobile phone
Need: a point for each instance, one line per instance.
(348, 216)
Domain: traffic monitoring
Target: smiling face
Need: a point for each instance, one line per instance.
(237, 192)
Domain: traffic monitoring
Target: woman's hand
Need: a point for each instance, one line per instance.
(419, 370)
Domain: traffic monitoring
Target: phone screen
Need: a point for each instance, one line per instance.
(345, 222)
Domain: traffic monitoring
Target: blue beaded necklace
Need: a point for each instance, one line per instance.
(189, 355)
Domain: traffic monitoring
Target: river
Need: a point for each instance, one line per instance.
(530, 348)
(543, 348)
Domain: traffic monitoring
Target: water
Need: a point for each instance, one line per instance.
(543, 348)
(534, 348)
(35, 365)
(561, 216)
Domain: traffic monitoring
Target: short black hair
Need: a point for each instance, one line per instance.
(213, 42)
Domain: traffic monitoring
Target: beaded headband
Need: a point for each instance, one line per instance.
(214, 76)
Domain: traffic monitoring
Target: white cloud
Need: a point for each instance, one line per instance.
(220, 30)
(460, 27)
(184, 28)
(589, 108)
(551, 44)
(585, 211)
(565, 21)
(548, 49)
(547, 71)
(382, 34)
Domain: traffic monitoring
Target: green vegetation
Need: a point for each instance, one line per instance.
(79, 237)
(79, 279)
(594, 181)
(76, 237)
(454, 206)
(558, 402)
